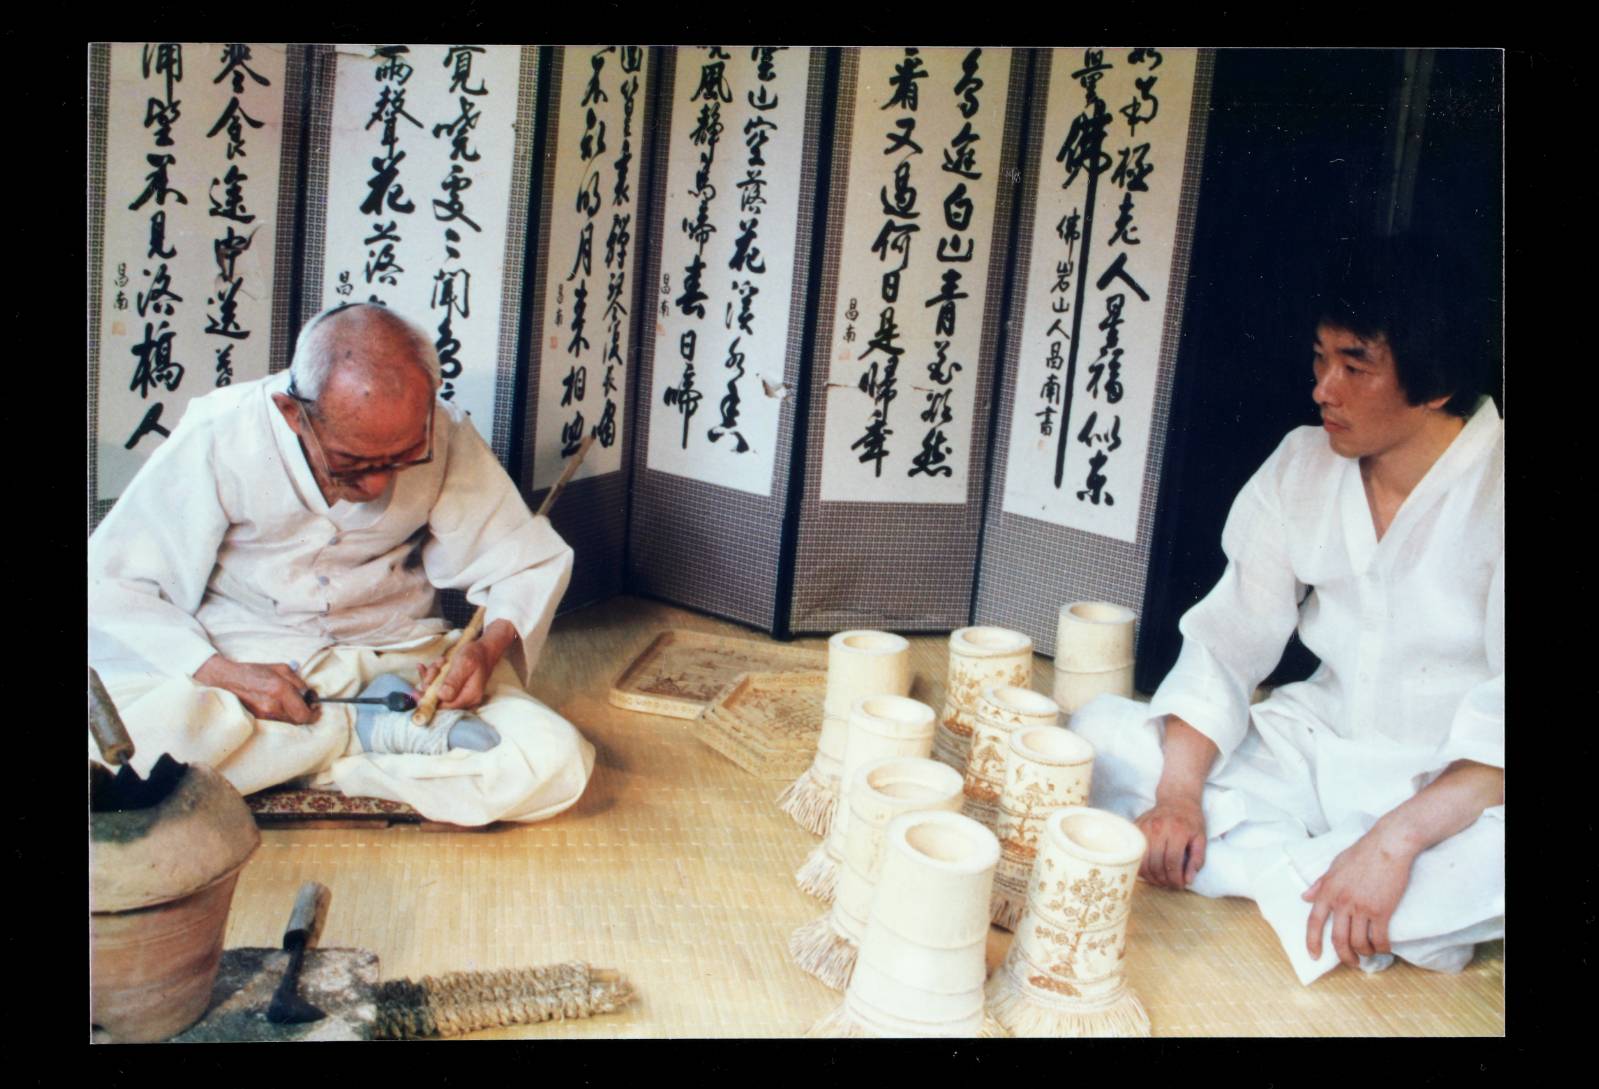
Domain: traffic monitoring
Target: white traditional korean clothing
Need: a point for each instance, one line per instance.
(1410, 633)
(223, 544)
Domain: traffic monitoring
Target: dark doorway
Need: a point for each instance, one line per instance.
(1304, 148)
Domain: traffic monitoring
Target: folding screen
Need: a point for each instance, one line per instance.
(876, 337)
(726, 324)
(908, 318)
(1101, 268)
(193, 164)
(580, 358)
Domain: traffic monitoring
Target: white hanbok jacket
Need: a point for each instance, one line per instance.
(224, 544)
(1410, 629)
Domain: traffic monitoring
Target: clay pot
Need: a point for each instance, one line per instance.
(1093, 653)
(1046, 768)
(161, 881)
(1001, 710)
(978, 657)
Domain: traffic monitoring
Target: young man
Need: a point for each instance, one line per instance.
(288, 537)
(1363, 808)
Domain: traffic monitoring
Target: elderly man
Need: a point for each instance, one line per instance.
(287, 539)
(1362, 809)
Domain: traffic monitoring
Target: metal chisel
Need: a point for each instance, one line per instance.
(394, 701)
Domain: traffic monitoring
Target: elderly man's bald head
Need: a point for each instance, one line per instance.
(362, 343)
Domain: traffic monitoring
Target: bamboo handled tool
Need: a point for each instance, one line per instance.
(429, 703)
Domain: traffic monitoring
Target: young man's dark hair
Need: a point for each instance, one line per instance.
(1424, 299)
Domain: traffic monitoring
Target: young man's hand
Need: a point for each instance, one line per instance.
(1360, 892)
(1175, 827)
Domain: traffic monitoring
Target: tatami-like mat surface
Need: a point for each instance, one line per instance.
(676, 868)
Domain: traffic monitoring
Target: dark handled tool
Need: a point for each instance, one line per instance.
(394, 701)
(287, 1007)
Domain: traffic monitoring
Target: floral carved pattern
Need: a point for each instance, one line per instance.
(1081, 903)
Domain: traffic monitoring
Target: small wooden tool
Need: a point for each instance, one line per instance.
(429, 704)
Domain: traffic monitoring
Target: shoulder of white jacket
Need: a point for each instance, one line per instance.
(222, 405)
(1303, 450)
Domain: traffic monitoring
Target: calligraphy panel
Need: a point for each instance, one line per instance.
(722, 300)
(893, 541)
(1042, 545)
(420, 158)
(1098, 283)
(581, 356)
(903, 361)
(189, 225)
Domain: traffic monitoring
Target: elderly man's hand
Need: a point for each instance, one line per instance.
(270, 691)
(1359, 892)
(468, 679)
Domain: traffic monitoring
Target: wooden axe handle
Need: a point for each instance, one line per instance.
(116, 747)
(429, 703)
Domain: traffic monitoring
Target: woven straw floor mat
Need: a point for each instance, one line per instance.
(676, 869)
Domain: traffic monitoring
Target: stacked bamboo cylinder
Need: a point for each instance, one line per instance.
(883, 789)
(1093, 653)
(879, 726)
(1065, 974)
(921, 972)
(978, 657)
(1001, 711)
(859, 664)
(1047, 768)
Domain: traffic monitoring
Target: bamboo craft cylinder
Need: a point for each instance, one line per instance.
(859, 663)
(978, 657)
(878, 726)
(1093, 653)
(1065, 974)
(1046, 768)
(880, 791)
(1001, 710)
(921, 965)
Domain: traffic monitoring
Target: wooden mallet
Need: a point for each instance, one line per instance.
(428, 705)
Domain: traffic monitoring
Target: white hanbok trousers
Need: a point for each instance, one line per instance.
(1275, 822)
(539, 768)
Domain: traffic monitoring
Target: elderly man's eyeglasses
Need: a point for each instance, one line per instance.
(348, 470)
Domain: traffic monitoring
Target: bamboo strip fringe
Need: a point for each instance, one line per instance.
(1024, 1016)
(810, 801)
(841, 1025)
(818, 874)
(823, 952)
(461, 1002)
(1007, 910)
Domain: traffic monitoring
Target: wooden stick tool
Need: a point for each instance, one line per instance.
(428, 705)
